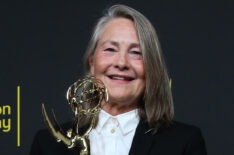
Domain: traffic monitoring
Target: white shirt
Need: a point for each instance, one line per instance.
(113, 135)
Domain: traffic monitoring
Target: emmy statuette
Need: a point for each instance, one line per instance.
(85, 97)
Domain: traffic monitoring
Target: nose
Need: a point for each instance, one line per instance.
(121, 61)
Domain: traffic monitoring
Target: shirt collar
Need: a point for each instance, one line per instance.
(127, 121)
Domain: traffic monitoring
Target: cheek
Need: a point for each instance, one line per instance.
(101, 63)
(139, 68)
(142, 72)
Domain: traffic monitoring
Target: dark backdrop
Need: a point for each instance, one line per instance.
(42, 43)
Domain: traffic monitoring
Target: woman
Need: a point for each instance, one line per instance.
(125, 54)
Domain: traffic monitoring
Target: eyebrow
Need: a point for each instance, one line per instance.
(132, 45)
(110, 42)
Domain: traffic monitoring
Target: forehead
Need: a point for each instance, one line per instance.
(119, 28)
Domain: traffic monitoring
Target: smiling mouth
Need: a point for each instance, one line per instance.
(123, 78)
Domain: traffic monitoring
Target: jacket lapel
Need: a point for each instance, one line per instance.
(142, 140)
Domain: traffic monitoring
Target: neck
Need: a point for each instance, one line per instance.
(116, 109)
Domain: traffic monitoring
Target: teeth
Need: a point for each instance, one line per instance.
(117, 78)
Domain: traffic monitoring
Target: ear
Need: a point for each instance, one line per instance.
(91, 65)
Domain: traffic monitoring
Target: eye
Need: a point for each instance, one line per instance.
(136, 55)
(110, 49)
(136, 52)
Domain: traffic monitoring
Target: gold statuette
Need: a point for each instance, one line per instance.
(85, 97)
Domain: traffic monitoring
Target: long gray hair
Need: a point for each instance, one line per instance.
(156, 107)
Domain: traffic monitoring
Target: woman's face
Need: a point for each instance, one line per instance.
(118, 63)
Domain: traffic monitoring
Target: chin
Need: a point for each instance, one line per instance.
(120, 97)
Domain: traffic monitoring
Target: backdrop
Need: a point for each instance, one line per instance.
(42, 44)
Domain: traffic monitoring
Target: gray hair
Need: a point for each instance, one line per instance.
(157, 104)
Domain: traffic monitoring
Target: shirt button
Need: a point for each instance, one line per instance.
(112, 131)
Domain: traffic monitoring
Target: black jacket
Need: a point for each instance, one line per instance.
(178, 139)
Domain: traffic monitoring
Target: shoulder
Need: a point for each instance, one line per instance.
(186, 137)
(176, 139)
(181, 129)
(181, 132)
(44, 135)
(45, 144)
